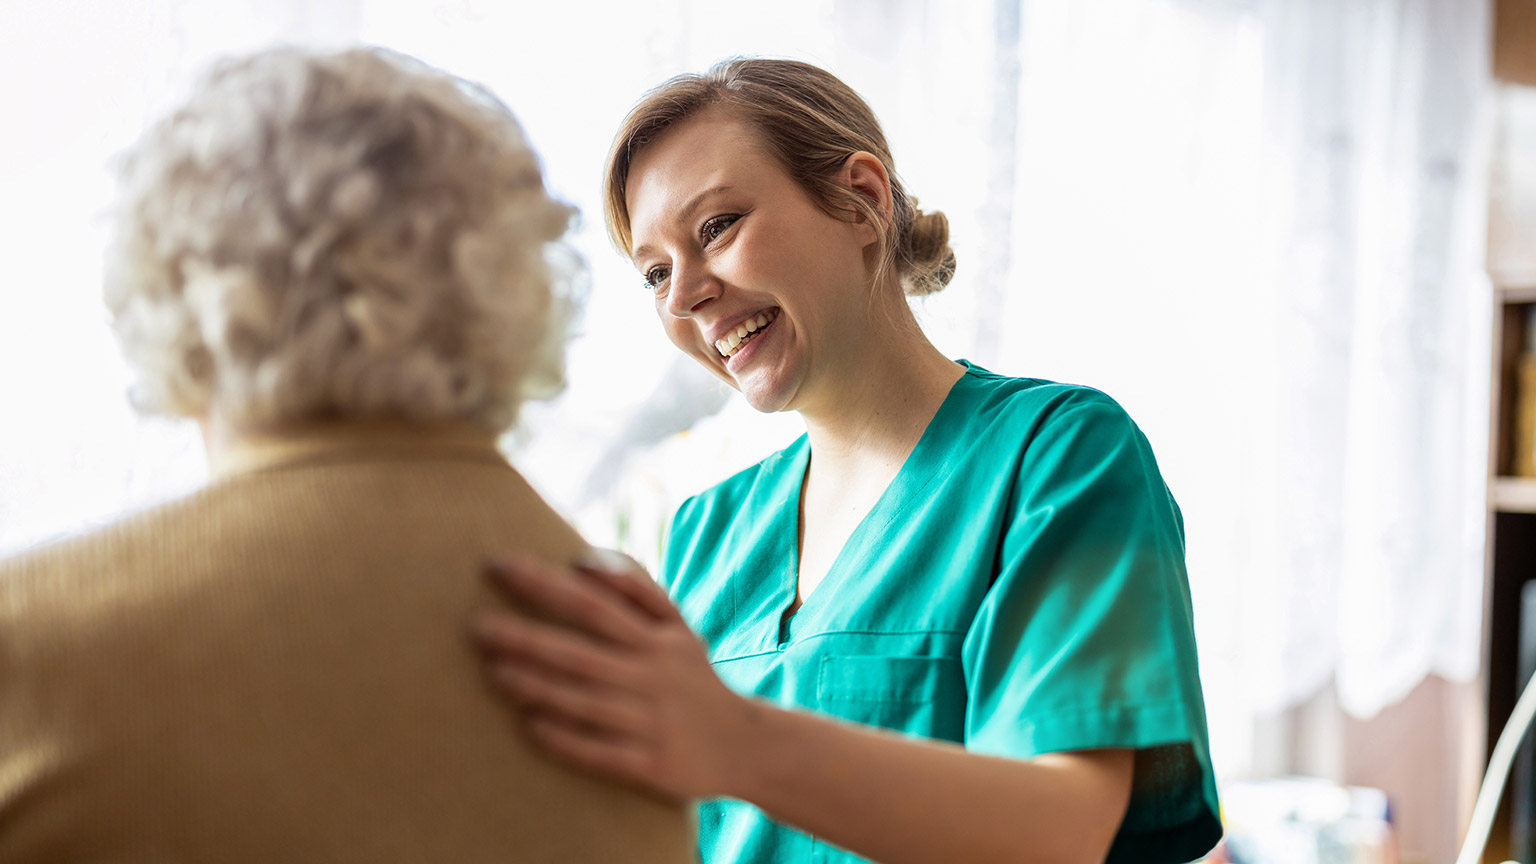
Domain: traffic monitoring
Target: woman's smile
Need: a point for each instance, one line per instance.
(733, 346)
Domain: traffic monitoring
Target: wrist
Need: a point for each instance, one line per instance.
(754, 745)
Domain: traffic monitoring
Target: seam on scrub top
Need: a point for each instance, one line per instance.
(733, 658)
(1102, 710)
(814, 636)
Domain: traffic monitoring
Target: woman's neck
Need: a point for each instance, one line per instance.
(877, 410)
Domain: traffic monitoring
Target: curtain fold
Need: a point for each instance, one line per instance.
(1381, 110)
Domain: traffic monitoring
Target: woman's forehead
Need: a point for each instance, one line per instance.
(697, 145)
(697, 158)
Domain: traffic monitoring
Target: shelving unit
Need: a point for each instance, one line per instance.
(1511, 560)
(1511, 553)
(1513, 495)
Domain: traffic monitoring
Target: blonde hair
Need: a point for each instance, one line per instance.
(810, 122)
(346, 235)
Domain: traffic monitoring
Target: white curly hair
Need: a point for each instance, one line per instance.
(345, 235)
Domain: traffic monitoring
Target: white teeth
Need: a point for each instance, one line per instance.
(743, 332)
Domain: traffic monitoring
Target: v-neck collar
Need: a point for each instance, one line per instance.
(916, 473)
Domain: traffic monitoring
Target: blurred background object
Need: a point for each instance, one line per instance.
(1302, 820)
(1510, 590)
(1514, 61)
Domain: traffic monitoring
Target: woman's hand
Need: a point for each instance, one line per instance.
(621, 687)
(624, 689)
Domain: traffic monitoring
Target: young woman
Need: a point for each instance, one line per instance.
(949, 624)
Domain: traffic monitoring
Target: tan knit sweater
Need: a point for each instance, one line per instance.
(275, 669)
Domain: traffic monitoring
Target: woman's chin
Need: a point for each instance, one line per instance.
(764, 396)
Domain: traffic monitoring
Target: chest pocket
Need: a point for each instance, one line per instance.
(916, 695)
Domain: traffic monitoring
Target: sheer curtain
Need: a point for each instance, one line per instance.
(1256, 224)
(1259, 226)
(1382, 315)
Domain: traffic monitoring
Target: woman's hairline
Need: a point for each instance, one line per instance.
(725, 109)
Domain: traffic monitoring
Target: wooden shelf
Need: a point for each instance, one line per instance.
(1513, 494)
(1514, 33)
(1520, 292)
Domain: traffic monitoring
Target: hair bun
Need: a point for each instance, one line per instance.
(930, 261)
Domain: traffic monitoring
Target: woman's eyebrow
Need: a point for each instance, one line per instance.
(684, 215)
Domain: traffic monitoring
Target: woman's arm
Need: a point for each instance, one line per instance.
(625, 690)
(897, 800)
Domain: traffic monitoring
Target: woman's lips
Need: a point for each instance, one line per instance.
(749, 348)
(745, 332)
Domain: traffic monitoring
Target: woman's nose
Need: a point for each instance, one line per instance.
(693, 286)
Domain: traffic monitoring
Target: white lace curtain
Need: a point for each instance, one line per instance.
(1256, 224)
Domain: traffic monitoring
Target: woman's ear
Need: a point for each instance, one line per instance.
(865, 175)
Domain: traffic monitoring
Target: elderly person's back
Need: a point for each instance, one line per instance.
(341, 264)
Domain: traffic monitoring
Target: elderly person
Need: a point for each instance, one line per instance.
(345, 266)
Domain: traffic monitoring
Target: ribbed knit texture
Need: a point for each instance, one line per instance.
(276, 669)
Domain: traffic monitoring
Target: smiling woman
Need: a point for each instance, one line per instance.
(968, 589)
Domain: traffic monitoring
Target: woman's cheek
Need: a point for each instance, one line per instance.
(685, 337)
(680, 337)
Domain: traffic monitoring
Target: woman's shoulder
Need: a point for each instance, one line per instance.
(1034, 405)
(709, 532)
(730, 495)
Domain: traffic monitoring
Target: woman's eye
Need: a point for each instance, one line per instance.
(654, 277)
(710, 231)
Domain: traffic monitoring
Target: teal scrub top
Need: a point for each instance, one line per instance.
(1020, 589)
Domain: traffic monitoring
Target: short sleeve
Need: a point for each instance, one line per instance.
(1085, 639)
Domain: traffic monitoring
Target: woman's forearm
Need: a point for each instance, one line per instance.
(902, 800)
